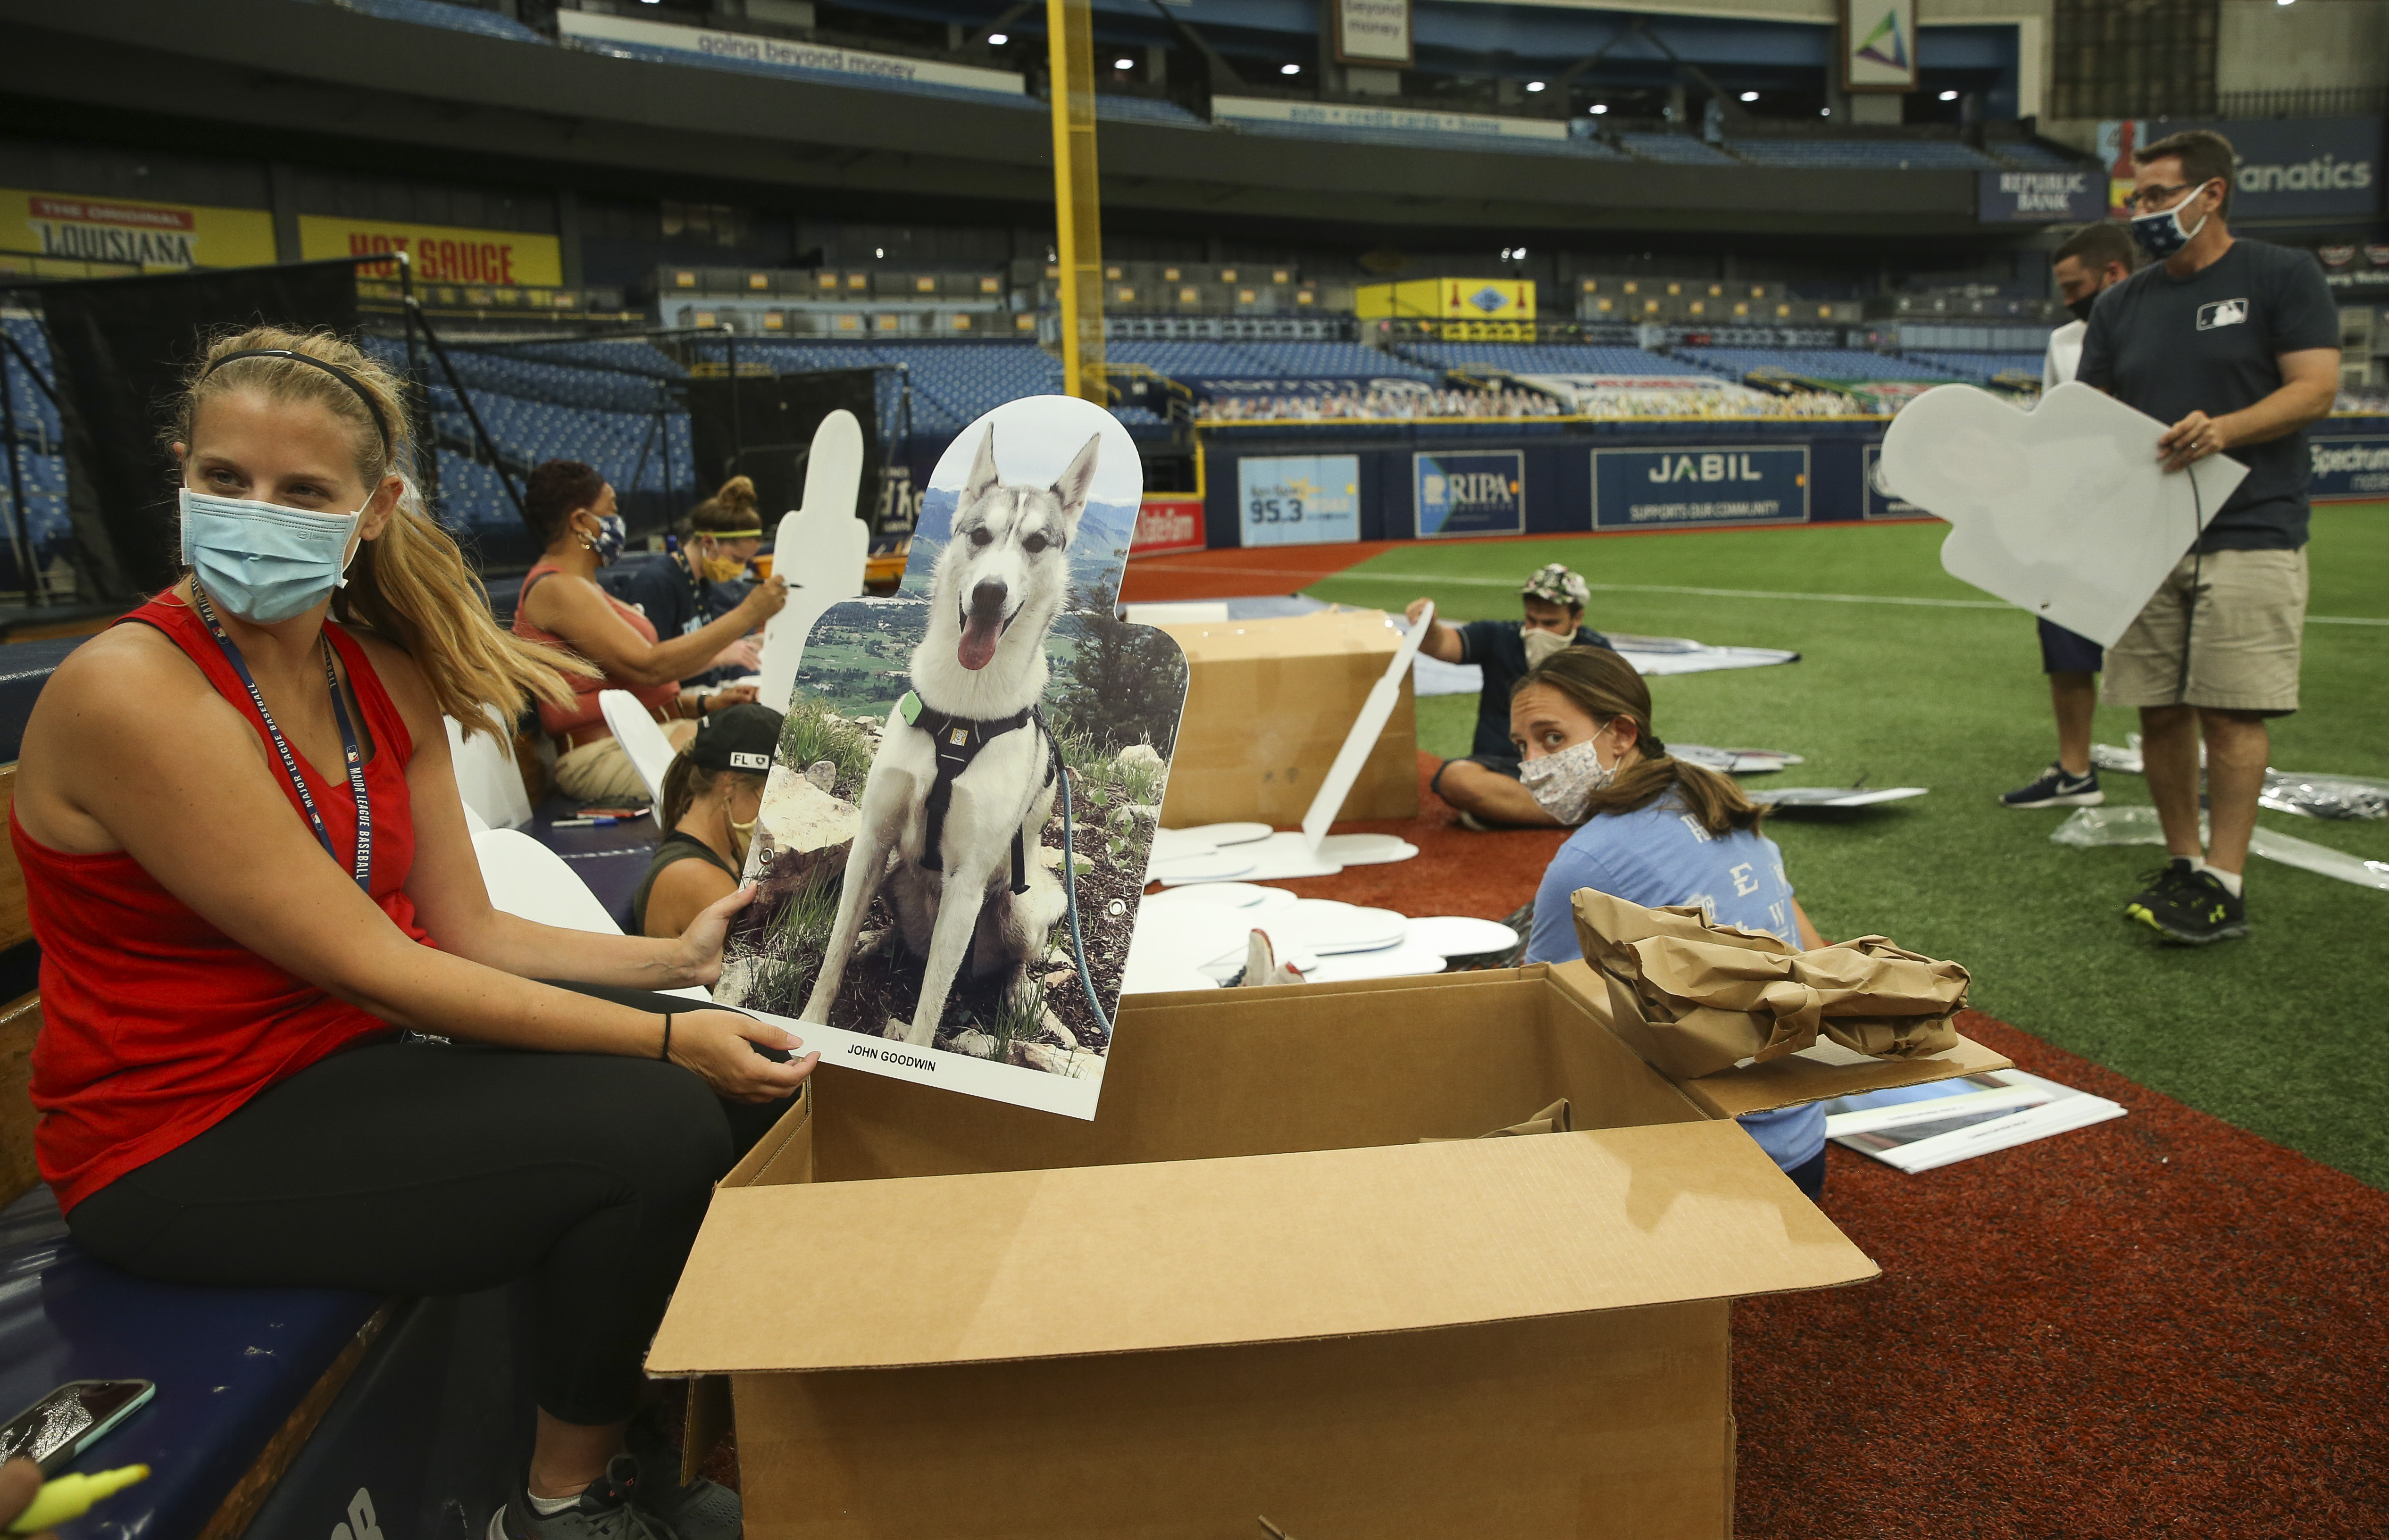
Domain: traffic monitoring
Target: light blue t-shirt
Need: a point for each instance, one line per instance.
(1658, 854)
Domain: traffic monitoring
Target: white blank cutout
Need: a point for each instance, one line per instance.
(486, 777)
(821, 550)
(2062, 511)
(1375, 712)
(651, 751)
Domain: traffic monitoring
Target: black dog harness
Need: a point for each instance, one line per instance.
(957, 741)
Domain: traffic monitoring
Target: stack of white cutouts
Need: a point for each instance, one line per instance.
(1195, 936)
(1251, 853)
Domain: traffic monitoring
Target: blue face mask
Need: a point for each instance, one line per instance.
(2161, 233)
(261, 561)
(611, 533)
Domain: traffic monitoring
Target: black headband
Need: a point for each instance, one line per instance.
(373, 406)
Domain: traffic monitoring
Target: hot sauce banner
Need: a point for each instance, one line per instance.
(441, 254)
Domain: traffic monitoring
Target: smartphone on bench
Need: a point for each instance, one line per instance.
(53, 1431)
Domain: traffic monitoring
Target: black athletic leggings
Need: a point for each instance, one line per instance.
(432, 1168)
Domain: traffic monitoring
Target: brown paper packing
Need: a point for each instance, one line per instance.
(1695, 997)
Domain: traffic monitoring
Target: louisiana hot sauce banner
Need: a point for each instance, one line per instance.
(442, 253)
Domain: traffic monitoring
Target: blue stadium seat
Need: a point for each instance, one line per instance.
(231, 1365)
(1675, 149)
(1395, 138)
(435, 13)
(2031, 155)
(1554, 357)
(1982, 365)
(1144, 109)
(1827, 364)
(1865, 154)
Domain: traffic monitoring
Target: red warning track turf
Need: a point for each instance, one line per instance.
(1240, 574)
(2161, 1326)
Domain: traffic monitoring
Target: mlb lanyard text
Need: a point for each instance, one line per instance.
(364, 869)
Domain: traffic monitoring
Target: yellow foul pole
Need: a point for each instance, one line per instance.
(1078, 217)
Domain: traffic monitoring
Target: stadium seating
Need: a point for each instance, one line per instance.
(1144, 109)
(1553, 358)
(1403, 138)
(2033, 156)
(1674, 150)
(1827, 364)
(1982, 365)
(1898, 155)
(41, 467)
(433, 13)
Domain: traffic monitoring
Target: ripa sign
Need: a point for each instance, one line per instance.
(1479, 493)
(1658, 488)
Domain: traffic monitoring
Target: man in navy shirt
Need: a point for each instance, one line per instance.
(1485, 786)
(2234, 343)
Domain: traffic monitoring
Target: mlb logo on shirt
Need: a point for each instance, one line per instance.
(2223, 313)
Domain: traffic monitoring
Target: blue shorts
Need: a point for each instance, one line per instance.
(2062, 652)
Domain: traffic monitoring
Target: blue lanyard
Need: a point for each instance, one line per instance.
(364, 871)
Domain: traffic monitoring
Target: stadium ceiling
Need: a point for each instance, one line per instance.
(296, 74)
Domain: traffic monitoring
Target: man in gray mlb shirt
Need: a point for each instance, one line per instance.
(2235, 343)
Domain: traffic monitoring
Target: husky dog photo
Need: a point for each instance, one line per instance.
(915, 905)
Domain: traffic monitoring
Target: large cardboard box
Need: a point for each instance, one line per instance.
(1246, 1290)
(1268, 704)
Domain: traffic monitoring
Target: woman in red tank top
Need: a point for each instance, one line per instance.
(571, 509)
(246, 887)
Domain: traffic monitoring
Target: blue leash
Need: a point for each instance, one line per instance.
(1071, 893)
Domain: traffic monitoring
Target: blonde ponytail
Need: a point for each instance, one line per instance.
(410, 586)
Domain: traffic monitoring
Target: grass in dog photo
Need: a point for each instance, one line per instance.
(909, 849)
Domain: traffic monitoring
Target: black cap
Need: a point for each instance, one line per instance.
(742, 737)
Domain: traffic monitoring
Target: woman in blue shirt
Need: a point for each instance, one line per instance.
(1654, 831)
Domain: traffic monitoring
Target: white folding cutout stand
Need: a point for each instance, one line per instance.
(526, 879)
(642, 740)
(1195, 936)
(486, 774)
(1250, 852)
(2065, 510)
(821, 550)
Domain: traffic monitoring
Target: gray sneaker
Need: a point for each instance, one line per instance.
(604, 1511)
(698, 1510)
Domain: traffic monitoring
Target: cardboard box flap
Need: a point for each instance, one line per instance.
(1816, 1074)
(1319, 634)
(1268, 1248)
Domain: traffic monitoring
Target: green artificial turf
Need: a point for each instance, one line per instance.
(2282, 1033)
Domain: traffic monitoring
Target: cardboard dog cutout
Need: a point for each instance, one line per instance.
(2064, 510)
(913, 917)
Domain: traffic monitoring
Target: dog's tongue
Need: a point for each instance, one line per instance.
(980, 629)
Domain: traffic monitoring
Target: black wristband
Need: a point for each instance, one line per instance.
(666, 1052)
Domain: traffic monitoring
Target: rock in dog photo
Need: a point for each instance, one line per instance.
(909, 850)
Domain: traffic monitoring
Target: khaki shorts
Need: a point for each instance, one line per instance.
(2250, 612)
(600, 772)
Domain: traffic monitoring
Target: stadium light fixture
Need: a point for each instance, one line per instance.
(1750, 95)
(1600, 108)
(1123, 64)
(1533, 85)
(997, 40)
(1948, 96)
(1289, 68)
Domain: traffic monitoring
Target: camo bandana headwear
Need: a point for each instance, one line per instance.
(1556, 585)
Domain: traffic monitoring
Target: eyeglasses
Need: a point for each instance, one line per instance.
(2154, 198)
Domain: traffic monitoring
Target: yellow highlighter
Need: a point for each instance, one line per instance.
(70, 1496)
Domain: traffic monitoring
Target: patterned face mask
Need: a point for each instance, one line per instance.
(1563, 783)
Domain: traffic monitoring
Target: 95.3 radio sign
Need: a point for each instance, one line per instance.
(1299, 500)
